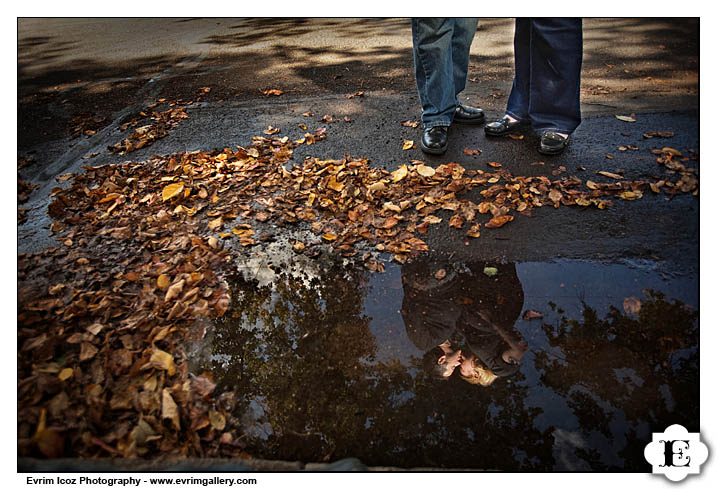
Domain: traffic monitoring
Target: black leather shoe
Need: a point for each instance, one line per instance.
(435, 140)
(503, 126)
(468, 115)
(552, 143)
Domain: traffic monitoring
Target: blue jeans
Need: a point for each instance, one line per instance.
(547, 78)
(441, 62)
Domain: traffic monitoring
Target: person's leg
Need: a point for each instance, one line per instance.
(433, 68)
(464, 31)
(556, 55)
(518, 104)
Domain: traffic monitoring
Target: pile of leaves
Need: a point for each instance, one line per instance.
(159, 124)
(143, 250)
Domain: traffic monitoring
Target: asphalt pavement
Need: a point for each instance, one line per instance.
(359, 72)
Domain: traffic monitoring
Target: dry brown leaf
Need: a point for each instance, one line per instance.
(65, 374)
(499, 221)
(174, 290)
(631, 305)
(169, 408)
(532, 314)
(474, 232)
(425, 170)
(609, 174)
(162, 360)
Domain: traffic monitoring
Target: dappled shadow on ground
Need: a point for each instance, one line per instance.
(630, 57)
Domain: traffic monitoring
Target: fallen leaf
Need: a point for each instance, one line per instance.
(631, 195)
(628, 119)
(271, 131)
(490, 271)
(474, 231)
(87, 351)
(215, 224)
(440, 274)
(631, 305)
(671, 151)
(299, 246)
(400, 173)
(532, 314)
(472, 151)
(499, 221)
(425, 170)
(609, 174)
(162, 360)
(407, 144)
(456, 221)
(172, 190)
(591, 185)
(555, 195)
(65, 374)
(494, 164)
(169, 408)
(329, 237)
(273, 92)
(216, 419)
(174, 290)
(411, 124)
(163, 281)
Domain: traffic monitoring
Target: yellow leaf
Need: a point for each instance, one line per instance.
(299, 246)
(425, 170)
(172, 190)
(399, 173)
(591, 185)
(163, 360)
(334, 184)
(216, 419)
(163, 281)
(65, 374)
(216, 223)
(671, 151)
(391, 207)
(631, 195)
(329, 237)
(407, 144)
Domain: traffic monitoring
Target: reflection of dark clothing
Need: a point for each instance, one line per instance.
(500, 299)
(430, 312)
(436, 308)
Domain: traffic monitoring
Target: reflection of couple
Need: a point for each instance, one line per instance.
(443, 300)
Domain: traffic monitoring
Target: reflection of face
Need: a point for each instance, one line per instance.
(451, 359)
(467, 366)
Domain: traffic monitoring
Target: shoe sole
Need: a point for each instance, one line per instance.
(433, 151)
(551, 152)
(470, 121)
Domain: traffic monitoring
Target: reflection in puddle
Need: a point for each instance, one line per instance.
(329, 362)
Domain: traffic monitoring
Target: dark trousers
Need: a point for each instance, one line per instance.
(547, 78)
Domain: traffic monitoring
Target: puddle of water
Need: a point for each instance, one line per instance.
(330, 362)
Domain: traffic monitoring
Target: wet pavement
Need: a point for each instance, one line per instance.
(326, 362)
